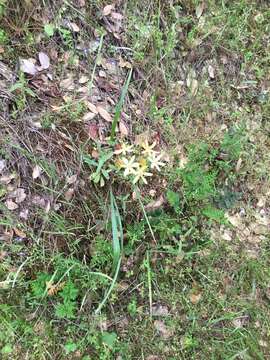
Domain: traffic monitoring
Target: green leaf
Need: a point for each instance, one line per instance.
(173, 199)
(49, 29)
(119, 105)
(109, 338)
(65, 310)
(69, 292)
(214, 214)
(7, 349)
(70, 347)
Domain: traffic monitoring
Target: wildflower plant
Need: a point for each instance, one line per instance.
(135, 163)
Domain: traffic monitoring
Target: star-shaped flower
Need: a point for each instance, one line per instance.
(148, 149)
(155, 162)
(123, 149)
(141, 174)
(129, 165)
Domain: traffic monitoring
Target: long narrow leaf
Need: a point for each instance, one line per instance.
(119, 105)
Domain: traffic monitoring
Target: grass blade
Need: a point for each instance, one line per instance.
(119, 105)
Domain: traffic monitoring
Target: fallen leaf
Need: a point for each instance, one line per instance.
(36, 172)
(67, 84)
(104, 114)
(44, 61)
(160, 310)
(238, 165)
(19, 195)
(39, 201)
(11, 205)
(211, 72)
(89, 116)
(20, 233)
(93, 132)
(124, 64)
(194, 87)
(163, 330)
(28, 67)
(195, 297)
(74, 27)
(24, 214)
(72, 179)
(102, 73)
(199, 10)
(69, 194)
(107, 10)
(92, 107)
(123, 128)
(156, 204)
(83, 79)
(2, 165)
(117, 16)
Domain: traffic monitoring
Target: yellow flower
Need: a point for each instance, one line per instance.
(129, 165)
(148, 149)
(123, 149)
(155, 162)
(140, 174)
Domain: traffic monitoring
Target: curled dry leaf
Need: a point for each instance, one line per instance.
(6, 179)
(28, 67)
(11, 205)
(104, 114)
(107, 10)
(123, 128)
(67, 84)
(36, 172)
(74, 27)
(44, 61)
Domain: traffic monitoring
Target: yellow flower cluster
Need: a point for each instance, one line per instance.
(140, 160)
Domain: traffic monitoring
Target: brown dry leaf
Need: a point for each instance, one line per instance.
(195, 297)
(107, 10)
(20, 195)
(89, 116)
(36, 172)
(93, 132)
(11, 205)
(163, 330)
(69, 194)
(92, 107)
(104, 114)
(156, 204)
(199, 9)
(238, 165)
(2, 50)
(124, 64)
(123, 128)
(24, 214)
(20, 233)
(72, 179)
(102, 74)
(53, 289)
